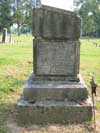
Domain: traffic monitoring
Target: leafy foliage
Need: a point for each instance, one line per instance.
(5, 14)
(15, 11)
(89, 11)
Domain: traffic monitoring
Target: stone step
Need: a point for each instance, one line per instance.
(45, 112)
(41, 90)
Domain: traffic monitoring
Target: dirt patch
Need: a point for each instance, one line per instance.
(80, 128)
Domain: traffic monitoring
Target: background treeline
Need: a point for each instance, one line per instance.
(15, 11)
(20, 12)
(89, 11)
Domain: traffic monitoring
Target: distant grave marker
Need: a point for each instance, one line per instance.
(4, 35)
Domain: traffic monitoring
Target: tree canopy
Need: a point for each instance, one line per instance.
(5, 14)
(89, 11)
(15, 11)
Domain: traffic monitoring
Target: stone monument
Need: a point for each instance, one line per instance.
(54, 92)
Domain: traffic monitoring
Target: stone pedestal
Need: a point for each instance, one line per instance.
(35, 90)
(59, 112)
(54, 92)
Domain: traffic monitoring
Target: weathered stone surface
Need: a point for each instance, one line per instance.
(45, 112)
(49, 22)
(56, 57)
(54, 93)
(40, 90)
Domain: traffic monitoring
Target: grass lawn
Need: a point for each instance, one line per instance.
(16, 65)
(90, 61)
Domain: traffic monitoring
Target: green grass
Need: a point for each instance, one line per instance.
(90, 61)
(16, 65)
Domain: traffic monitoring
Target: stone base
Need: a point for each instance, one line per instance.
(46, 102)
(54, 90)
(53, 112)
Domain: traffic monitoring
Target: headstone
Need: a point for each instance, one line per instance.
(4, 35)
(54, 90)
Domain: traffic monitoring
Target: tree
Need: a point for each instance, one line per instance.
(18, 16)
(22, 13)
(16, 11)
(28, 13)
(36, 3)
(89, 11)
(5, 14)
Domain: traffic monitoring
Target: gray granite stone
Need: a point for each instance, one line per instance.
(40, 90)
(53, 23)
(54, 93)
(56, 57)
(46, 112)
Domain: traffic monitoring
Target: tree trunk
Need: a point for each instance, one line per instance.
(98, 35)
(18, 29)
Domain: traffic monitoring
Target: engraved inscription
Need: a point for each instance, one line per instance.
(55, 58)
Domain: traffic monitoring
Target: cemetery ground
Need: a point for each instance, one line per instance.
(16, 65)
